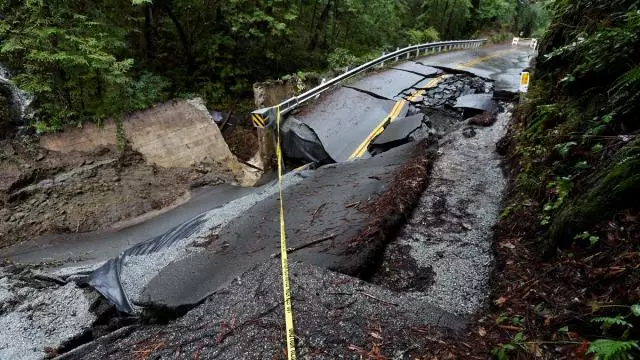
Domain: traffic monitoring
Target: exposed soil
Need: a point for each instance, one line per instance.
(242, 140)
(43, 191)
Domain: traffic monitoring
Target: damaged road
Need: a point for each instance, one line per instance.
(367, 270)
(362, 105)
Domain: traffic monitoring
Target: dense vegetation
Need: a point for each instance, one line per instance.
(576, 158)
(88, 60)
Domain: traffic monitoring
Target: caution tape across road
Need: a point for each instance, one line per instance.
(259, 121)
(286, 289)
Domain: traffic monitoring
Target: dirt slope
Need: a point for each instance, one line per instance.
(44, 191)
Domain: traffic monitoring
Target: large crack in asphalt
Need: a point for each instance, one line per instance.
(421, 267)
(447, 240)
(370, 93)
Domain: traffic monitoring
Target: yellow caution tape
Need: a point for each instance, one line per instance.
(288, 310)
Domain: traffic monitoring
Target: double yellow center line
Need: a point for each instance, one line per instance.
(399, 105)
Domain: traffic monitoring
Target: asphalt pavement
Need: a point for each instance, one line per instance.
(325, 210)
(328, 205)
(344, 118)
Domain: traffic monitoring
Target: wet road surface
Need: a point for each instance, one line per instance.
(94, 247)
(342, 118)
(235, 267)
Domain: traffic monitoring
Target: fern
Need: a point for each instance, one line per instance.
(607, 322)
(607, 349)
(629, 79)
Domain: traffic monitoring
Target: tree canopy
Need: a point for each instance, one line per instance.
(87, 60)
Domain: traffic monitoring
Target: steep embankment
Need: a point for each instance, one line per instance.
(567, 281)
(98, 178)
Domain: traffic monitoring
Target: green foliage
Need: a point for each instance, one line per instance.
(505, 351)
(607, 322)
(341, 58)
(607, 349)
(625, 91)
(559, 189)
(428, 35)
(612, 186)
(448, 18)
(89, 60)
(584, 96)
(614, 349)
(499, 37)
(70, 62)
(564, 148)
(532, 18)
(496, 11)
(587, 236)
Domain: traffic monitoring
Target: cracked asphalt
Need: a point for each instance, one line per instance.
(228, 270)
(345, 108)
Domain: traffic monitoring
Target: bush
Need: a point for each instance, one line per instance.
(340, 58)
(428, 35)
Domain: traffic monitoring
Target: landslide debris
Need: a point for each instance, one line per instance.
(44, 191)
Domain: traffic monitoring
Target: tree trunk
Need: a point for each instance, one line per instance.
(320, 26)
(148, 33)
(448, 27)
(334, 23)
(515, 18)
(443, 29)
(184, 39)
(473, 24)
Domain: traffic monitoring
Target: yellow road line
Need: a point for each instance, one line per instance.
(395, 111)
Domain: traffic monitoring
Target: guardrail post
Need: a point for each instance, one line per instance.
(382, 63)
(409, 52)
(324, 80)
(397, 57)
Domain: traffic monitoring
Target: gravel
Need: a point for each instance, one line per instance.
(335, 316)
(39, 318)
(450, 232)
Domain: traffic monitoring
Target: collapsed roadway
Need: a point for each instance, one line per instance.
(393, 237)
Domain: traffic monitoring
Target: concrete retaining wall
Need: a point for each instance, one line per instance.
(174, 134)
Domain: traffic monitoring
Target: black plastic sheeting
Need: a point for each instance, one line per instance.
(106, 279)
(299, 141)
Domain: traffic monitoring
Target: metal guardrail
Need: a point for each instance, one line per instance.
(533, 42)
(266, 117)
